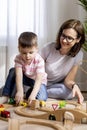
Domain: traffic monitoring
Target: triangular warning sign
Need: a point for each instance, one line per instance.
(54, 106)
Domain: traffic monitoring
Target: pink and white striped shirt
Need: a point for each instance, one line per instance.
(36, 66)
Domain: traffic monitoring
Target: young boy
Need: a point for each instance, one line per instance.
(29, 71)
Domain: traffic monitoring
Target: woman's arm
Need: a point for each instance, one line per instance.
(70, 83)
(70, 78)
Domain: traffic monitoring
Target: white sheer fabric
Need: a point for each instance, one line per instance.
(43, 17)
(17, 16)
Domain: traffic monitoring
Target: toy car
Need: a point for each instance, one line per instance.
(12, 101)
(62, 104)
(42, 103)
(23, 104)
(5, 114)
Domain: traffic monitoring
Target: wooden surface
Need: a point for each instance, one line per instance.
(42, 114)
(15, 124)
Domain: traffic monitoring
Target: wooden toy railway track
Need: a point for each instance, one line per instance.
(44, 112)
(34, 124)
(39, 117)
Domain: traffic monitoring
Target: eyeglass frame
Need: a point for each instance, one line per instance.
(67, 38)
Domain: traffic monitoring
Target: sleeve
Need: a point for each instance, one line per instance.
(18, 61)
(40, 66)
(44, 52)
(79, 58)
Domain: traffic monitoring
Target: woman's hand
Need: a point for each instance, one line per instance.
(76, 92)
(19, 97)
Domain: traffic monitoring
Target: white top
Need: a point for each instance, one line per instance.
(58, 66)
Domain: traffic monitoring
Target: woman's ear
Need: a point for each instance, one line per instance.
(78, 39)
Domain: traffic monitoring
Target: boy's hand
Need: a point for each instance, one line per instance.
(19, 97)
(30, 100)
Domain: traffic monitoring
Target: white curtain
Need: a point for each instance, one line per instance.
(44, 17)
(17, 16)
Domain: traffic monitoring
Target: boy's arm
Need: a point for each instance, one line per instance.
(36, 87)
(19, 85)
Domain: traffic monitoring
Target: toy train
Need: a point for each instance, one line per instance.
(3, 112)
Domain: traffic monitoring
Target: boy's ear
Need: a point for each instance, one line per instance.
(18, 46)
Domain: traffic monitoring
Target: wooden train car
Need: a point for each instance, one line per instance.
(23, 104)
(5, 114)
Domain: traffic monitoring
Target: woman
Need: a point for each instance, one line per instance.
(62, 59)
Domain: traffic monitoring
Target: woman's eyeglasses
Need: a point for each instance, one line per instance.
(69, 39)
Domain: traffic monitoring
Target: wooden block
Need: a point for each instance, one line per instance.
(34, 104)
(68, 120)
(13, 124)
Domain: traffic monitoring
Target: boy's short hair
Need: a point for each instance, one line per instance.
(27, 39)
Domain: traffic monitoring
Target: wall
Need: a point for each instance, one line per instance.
(60, 10)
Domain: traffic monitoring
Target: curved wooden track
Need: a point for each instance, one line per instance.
(15, 124)
(44, 112)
